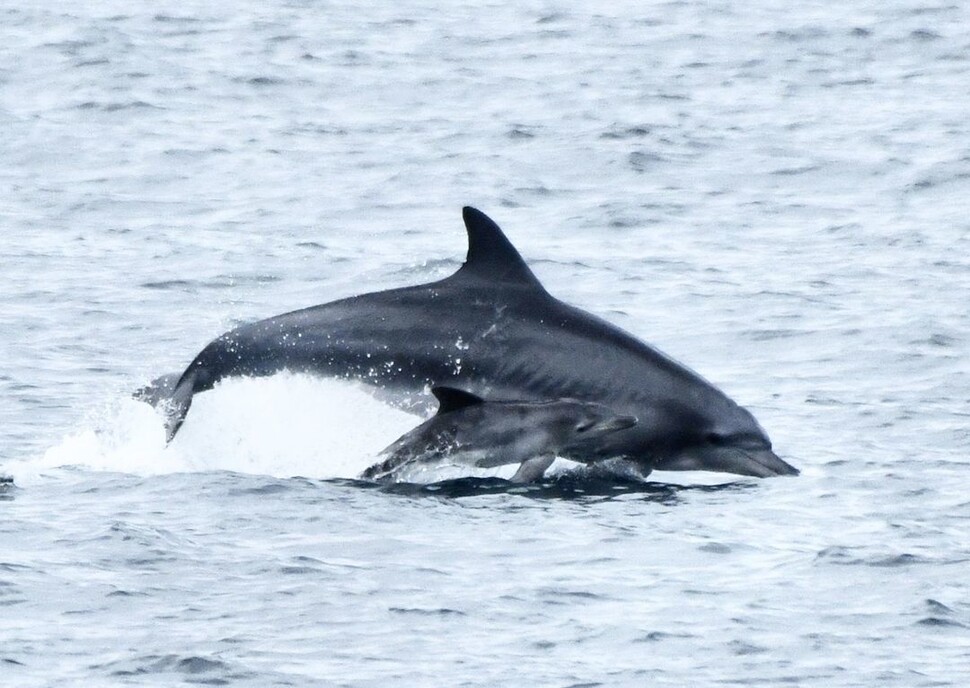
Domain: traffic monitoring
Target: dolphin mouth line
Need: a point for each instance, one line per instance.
(614, 424)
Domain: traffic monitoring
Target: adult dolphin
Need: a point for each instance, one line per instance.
(494, 331)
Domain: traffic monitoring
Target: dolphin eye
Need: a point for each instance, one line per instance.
(584, 426)
(716, 439)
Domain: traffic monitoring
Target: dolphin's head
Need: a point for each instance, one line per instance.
(730, 441)
(578, 423)
(571, 423)
(596, 419)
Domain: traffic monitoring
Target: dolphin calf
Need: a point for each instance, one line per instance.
(493, 330)
(469, 430)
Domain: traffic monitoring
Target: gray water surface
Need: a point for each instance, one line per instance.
(774, 194)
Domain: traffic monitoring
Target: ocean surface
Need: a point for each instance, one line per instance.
(775, 194)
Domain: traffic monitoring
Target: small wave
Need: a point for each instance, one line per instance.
(924, 35)
(643, 161)
(795, 171)
(426, 612)
(658, 636)
(894, 560)
(7, 488)
(118, 106)
(855, 556)
(260, 80)
(172, 284)
(521, 132)
(619, 133)
(214, 671)
(938, 622)
(172, 19)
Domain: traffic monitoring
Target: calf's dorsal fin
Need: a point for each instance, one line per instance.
(454, 399)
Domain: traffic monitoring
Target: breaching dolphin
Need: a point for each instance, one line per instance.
(493, 330)
(469, 430)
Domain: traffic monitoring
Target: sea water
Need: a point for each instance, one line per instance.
(774, 194)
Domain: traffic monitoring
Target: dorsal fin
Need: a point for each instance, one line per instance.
(454, 399)
(491, 255)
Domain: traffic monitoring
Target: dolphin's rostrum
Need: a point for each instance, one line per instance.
(492, 330)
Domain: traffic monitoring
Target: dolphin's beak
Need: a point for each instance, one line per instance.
(761, 463)
(757, 462)
(614, 424)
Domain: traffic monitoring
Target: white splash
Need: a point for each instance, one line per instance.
(283, 426)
